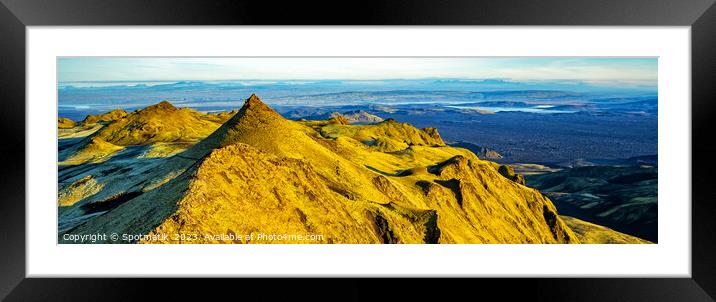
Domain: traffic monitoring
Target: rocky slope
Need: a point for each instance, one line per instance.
(91, 150)
(260, 173)
(592, 233)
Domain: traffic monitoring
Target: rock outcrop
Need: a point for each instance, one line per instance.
(508, 172)
(111, 116)
(359, 117)
(65, 123)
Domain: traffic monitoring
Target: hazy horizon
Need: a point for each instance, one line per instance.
(619, 71)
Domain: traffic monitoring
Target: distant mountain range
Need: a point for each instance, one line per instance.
(337, 92)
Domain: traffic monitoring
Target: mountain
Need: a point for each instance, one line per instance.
(161, 122)
(65, 123)
(259, 173)
(620, 198)
(106, 117)
(386, 136)
(161, 129)
(359, 117)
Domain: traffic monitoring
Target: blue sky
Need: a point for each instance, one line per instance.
(637, 71)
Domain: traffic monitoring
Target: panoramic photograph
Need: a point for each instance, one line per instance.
(356, 150)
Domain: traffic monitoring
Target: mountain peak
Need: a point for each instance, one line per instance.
(255, 102)
(255, 124)
(254, 108)
(163, 105)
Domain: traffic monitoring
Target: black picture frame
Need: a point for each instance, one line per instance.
(16, 15)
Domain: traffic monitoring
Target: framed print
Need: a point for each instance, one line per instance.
(424, 140)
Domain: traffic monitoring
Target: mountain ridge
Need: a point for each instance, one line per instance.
(261, 173)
